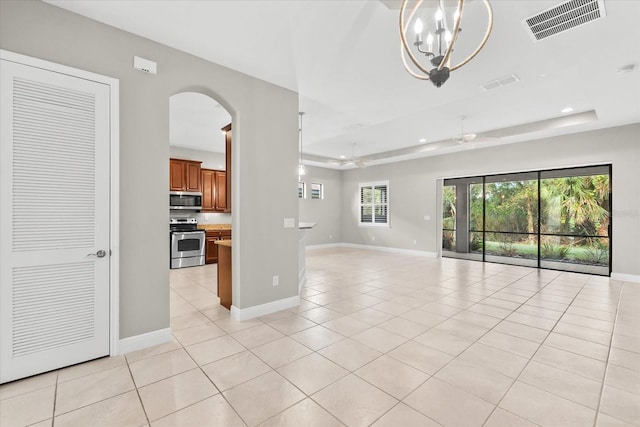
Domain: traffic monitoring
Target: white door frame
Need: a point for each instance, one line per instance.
(114, 194)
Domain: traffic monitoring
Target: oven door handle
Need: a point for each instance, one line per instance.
(189, 232)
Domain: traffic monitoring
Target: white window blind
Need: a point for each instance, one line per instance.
(317, 192)
(374, 203)
(302, 190)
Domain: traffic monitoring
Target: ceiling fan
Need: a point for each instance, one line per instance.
(357, 162)
(464, 138)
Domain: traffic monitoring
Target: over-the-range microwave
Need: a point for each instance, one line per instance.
(185, 200)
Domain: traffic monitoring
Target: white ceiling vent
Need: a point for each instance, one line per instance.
(502, 81)
(564, 17)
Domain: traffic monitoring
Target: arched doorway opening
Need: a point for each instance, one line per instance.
(198, 126)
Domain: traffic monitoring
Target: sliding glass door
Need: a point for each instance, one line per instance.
(557, 219)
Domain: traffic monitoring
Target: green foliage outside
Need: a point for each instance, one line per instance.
(575, 207)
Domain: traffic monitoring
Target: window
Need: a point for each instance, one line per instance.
(374, 203)
(316, 191)
(302, 190)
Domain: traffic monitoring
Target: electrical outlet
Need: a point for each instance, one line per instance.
(276, 280)
(427, 218)
(373, 237)
(415, 242)
(330, 236)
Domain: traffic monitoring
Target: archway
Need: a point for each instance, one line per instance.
(196, 121)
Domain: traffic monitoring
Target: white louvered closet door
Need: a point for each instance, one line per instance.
(54, 212)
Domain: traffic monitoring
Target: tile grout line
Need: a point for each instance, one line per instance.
(207, 376)
(536, 352)
(430, 376)
(144, 410)
(606, 366)
(55, 399)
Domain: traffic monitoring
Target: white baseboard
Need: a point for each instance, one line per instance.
(263, 309)
(138, 342)
(626, 277)
(392, 250)
(374, 248)
(324, 246)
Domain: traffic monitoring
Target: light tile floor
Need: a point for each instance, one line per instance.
(379, 339)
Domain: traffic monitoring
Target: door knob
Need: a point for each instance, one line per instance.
(100, 254)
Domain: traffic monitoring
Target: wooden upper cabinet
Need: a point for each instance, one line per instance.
(193, 177)
(177, 174)
(227, 130)
(214, 190)
(221, 191)
(184, 175)
(208, 190)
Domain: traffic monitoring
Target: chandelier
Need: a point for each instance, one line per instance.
(443, 18)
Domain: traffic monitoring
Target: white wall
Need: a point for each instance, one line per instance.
(413, 188)
(265, 141)
(326, 213)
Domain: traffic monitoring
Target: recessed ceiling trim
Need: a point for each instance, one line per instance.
(564, 17)
(415, 150)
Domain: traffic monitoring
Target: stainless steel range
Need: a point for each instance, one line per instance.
(187, 243)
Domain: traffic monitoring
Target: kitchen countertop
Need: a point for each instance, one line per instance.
(214, 227)
(226, 243)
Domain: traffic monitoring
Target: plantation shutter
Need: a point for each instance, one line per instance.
(374, 203)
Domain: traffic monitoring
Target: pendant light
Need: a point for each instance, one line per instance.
(301, 170)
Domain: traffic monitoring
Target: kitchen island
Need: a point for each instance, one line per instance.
(224, 273)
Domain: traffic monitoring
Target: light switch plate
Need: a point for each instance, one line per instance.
(289, 223)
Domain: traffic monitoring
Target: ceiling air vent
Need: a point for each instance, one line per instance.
(564, 17)
(502, 81)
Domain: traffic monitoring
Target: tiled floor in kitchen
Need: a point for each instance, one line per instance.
(379, 339)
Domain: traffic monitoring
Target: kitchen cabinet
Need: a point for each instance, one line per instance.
(211, 249)
(227, 133)
(214, 190)
(184, 175)
(221, 192)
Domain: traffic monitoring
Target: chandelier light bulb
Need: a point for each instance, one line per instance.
(417, 27)
(438, 15)
(447, 37)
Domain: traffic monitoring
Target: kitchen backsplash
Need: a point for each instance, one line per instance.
(205, 217)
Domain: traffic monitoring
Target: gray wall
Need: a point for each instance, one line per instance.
(413, 188)
(265, 135)
(326, 213)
